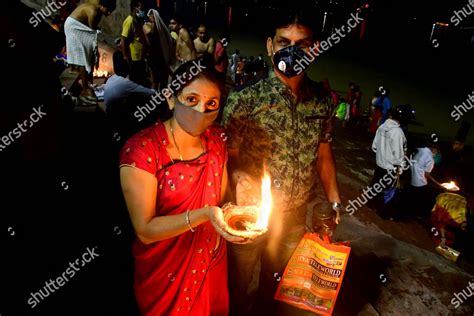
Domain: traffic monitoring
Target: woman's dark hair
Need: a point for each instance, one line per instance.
(184, 74)
(135, 3)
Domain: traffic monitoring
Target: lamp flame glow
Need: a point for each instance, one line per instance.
(450, 186)
(266, 205)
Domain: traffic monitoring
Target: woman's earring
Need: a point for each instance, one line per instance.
(171, 103)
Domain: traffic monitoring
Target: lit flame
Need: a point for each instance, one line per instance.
(266, 206)
(451, 186)
(100, 73)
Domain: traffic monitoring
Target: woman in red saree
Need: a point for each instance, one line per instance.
(173, 176)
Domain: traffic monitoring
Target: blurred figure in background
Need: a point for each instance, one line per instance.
(81, 41)
(420, 197)
(239, 71)
(221, 60)
(134, 42)
(185, 50)
(234, 60)
(203, 43)
(384, 103)
(160, 50)
(390, 147)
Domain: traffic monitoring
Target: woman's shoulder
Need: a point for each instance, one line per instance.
(150, 134)
(143, 149)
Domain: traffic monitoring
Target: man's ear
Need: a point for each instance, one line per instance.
(270, 47)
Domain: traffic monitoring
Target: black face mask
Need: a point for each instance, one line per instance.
(286, 61)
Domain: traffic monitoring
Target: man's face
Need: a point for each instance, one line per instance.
(174, 25)
(457, 146)
(106, 11)
(294, 34)
(202, 33)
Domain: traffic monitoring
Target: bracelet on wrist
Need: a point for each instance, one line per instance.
(188, 222)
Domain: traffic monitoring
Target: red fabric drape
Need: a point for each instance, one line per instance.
(184, 275)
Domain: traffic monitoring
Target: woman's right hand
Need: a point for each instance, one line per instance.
(216, 216)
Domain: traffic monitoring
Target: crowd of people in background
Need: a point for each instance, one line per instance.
(416, 190)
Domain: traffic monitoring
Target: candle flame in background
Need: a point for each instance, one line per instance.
(451, 186)
(266, 206)
(100, 73)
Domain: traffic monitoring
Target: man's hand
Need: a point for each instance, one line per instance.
(325, 219)
(248, 191)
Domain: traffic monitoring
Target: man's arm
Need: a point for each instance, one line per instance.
(430, 177)
(135, 88)
(125, 42)
(211, 46)
(185, 38)
(326, 168)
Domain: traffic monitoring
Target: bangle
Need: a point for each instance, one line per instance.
(336, 206)
(188, 222)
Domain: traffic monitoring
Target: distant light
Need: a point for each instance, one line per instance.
(366, 6)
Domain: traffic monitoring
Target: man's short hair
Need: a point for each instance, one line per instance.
(177, 19)
(297, 14)
(395, 114)
(109, 4)
(120, 66)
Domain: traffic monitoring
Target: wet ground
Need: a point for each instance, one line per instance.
(393, 267)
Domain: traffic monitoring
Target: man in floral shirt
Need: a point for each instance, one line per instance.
(282, 123)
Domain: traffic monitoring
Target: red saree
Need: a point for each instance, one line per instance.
(183, 275)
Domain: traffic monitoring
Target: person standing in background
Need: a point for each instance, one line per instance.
(221, 60)
(81, 41)
(134, 42)
(390, 147)
(161, 54)
(185, 50)
(204, 44)
(421, 197)
(234, 60)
